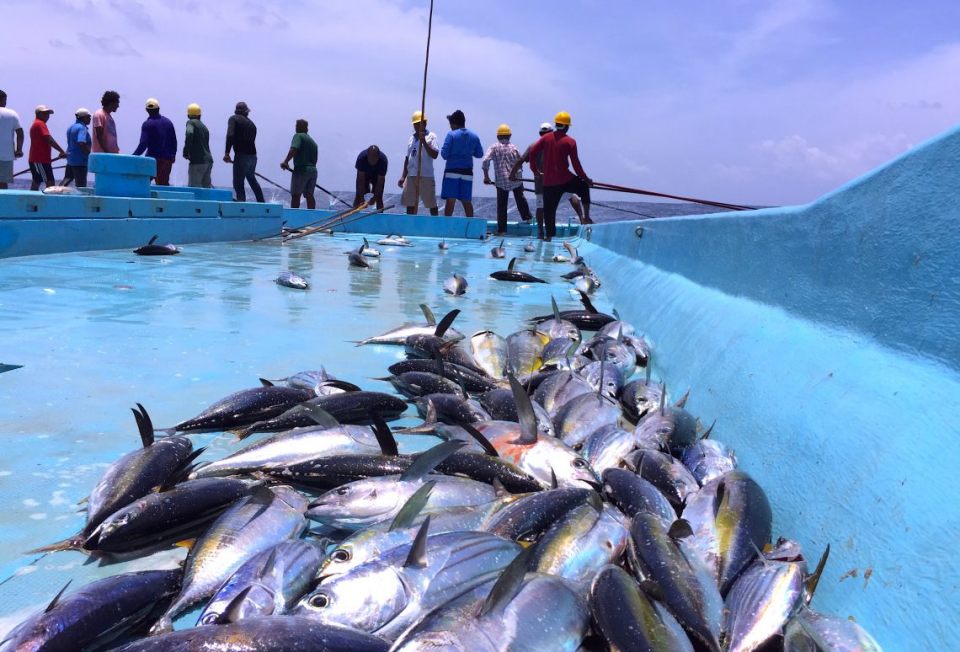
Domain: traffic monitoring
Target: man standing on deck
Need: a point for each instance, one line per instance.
(78, 150)
(557, 148)
(459, 149)
(304, 152)
(418, 185)
(158, 139)
(371, 175)
(104, 127)
(41, 143)
(10, 131)
(242, 137)
(545, 128)
(196, 149)
(504, 156)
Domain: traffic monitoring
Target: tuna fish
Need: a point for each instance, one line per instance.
(291, 280)
(581, 416)
(633, 495)
(151, 249)
(607, 447)
(810, 631)
(499, 251)
(515, 276)
(667, 474)
(455, 285)
(245, 407)
(353, 408)
(491, 353)
(399, 335)
(524, 350)
(709, 459)
(530, 516)
(559, 389)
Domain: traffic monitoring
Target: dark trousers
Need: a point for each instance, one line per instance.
(244, 169)
(551, 200)
(522, 206)
(77, 174)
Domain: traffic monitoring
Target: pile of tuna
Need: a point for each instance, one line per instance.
(567, 505)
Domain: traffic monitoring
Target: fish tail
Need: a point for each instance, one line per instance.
(168, 432)
(73, 543)
(162, 626)
(241, 433)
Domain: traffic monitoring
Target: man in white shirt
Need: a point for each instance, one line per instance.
(417, 180)
(10, 129)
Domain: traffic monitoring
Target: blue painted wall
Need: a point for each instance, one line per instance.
(825, 340)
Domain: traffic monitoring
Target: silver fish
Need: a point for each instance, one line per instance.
(395, 241)
(810, 631)
(666, 473)
(442, 245)
(499, 251)
(604, 378)
(399, 335)
(709, 459)
(633, 495)
(252, 525)
(529, 247)
(607, 446)
(583, 415)
(368, 251)
(270, 583)
(291, 280)
(640, 397)
(586, 284)
(389, 594)
(524, 350)
(559, 389)
(669, 428)
(490, 352)
(455, 285)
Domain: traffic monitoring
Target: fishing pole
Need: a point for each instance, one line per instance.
(360, 217)
(608, 186)
(423, 109)
(304, 226)
(622, 210)
(25, 170)
(327, 223)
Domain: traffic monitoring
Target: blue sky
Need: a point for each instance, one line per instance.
(748, 101)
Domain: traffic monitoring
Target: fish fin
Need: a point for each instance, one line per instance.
(414, 505)
(679, 529)
(243, 433)
(709, 430)
(682, 401)
(510, 266)
(616, 314)
(56, 598)
(654, 590)
(431, 416)
(585, 300)
(446, 322)
(417, 557)
(663, 396)
(366, 244)
(463, 388)
(265, 382)
(427, 461)
(528, 419)
(570, 249)
(233, 611)
(720, 499)
(553, 479)
(810, 584)
(183, 470)
(144, 425)
(483, 441)
(509, 583)
(342, 384)
(498, 489)
(438, 356)
(649, 370)
(556, 310)
(153, 239)
(73, 543)
(595, 501)
(603, 371)
(362, 247)
(446, 346)
(186, 543)
(320, 416)
(428, 314)
(388, 445)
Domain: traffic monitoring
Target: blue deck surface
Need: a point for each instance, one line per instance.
(98, 331)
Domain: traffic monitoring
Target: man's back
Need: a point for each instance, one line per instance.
(76, 134)
(556, 148)
(243, 133)
(307, 153)
(9, 123)
(460, 147)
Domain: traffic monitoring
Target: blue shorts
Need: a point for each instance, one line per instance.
(457, 186)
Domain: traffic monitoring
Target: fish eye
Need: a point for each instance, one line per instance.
(642, 399)
(210, 619)
(320, 601)
(341, 555)
(580, 463)
(343, 491)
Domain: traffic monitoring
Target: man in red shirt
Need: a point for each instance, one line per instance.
(41, 143)
(557, 147)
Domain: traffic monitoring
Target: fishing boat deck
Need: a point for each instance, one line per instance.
(97, 332)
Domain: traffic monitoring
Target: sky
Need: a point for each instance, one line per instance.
(743, 101)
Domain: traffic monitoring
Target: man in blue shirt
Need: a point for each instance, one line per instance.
(459, 149)
(78, 150)
(159, 139)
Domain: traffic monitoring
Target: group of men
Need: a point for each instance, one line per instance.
(548, 158)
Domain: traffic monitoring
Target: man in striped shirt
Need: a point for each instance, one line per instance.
(504, 156)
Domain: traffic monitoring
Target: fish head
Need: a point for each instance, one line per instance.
(291, 497)
(654, 431)
(643, 397)
(571, 469)
(367, 599)
(358, 503)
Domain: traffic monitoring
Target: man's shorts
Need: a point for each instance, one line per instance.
(303, 183)
(428, 192)
(457, 186)
(6, 171)
(42, 173)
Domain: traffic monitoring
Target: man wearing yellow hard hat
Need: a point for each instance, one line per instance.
(158, 139)
(504, 155)
(196, 149)
(417, 178)
(558, 148)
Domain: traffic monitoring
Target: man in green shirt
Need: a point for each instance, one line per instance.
(303, 151)
(196, 149)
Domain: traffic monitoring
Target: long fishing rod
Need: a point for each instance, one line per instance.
(622, 210)
(26, 170)
(286, 190)
(304, 226)
(327, 223)
(423, 109)
(360, 217)
(636, 191)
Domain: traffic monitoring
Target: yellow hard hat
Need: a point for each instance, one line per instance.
(562, 118)
(193, 110)
(503, 130)
(418, 116)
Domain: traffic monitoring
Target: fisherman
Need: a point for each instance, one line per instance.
(545, 128)
(303, 151)
(158, 139)
(557, 148)
(11, 141)
(41, 143)
(242, 137)
(459, 148)
(371, 175)
(104, 126)
(422, 148)
(196, 149)
(78, 149)
(505, 156)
